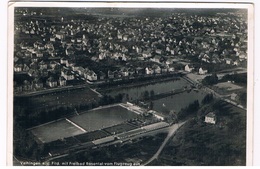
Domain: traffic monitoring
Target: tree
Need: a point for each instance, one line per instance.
(146, 95)
(243, 98)
(190, 109)
(152, 94)
(210, 80)
(207, 99)
(151, 105)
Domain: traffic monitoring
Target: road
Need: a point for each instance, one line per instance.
(51, 90)
(223, 97)
(171, 131)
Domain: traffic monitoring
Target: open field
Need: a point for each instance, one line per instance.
(55, 130)
(102, 118)
(62, 98)
(228, 86)
(196, 77)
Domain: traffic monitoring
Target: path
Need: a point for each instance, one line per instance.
(172, 130)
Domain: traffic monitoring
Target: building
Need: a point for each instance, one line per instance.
(51, 82)
(18, 67)
(187, 68)
(38, 83)
(60, 35)
(156, 59)
(27, 86)
(211, 118)
(64, 61)
(67, 74)
(124, 72)
(202, 72)
(91, 76)
(233, 96)
(110, 74)
(149, 71)
(157, 69)
(62, 81)
(43, 65)
(228, 61)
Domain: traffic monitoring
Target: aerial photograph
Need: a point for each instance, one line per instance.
(119, 86)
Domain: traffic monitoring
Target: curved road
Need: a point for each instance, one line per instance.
(171, 131)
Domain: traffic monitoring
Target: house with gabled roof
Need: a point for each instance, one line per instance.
(149, 71)
(52, 64)
(188, 68)
(202, 71)
(67, 74)
(62, 81)
(147, 53)
(38, 83)
(124, 72)
(170, 68)
(156, 59)
(43, 65)
(18, 67)
(64, 60)
(25, 68)
(101, 75)
(110, 74)
(52, 82)
(91, 75)
(27, 86)
(211, 118)
(157, 69)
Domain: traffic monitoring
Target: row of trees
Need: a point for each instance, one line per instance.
(237, 78)
(189, 110)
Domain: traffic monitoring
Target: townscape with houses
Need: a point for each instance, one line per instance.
(96, 51)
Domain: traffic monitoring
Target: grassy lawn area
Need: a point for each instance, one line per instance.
(59, 130)
(228, 86)
(67, 98)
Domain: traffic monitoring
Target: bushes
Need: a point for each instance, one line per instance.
(190, 109)
(207, 99)
(237, 78)
(210, 80)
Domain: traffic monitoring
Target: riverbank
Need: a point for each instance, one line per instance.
(137, 83)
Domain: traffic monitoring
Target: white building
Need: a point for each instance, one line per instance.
(187, 68)
(210, 118)
(202, 72)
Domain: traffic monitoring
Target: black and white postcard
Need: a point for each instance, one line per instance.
(130, 84)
